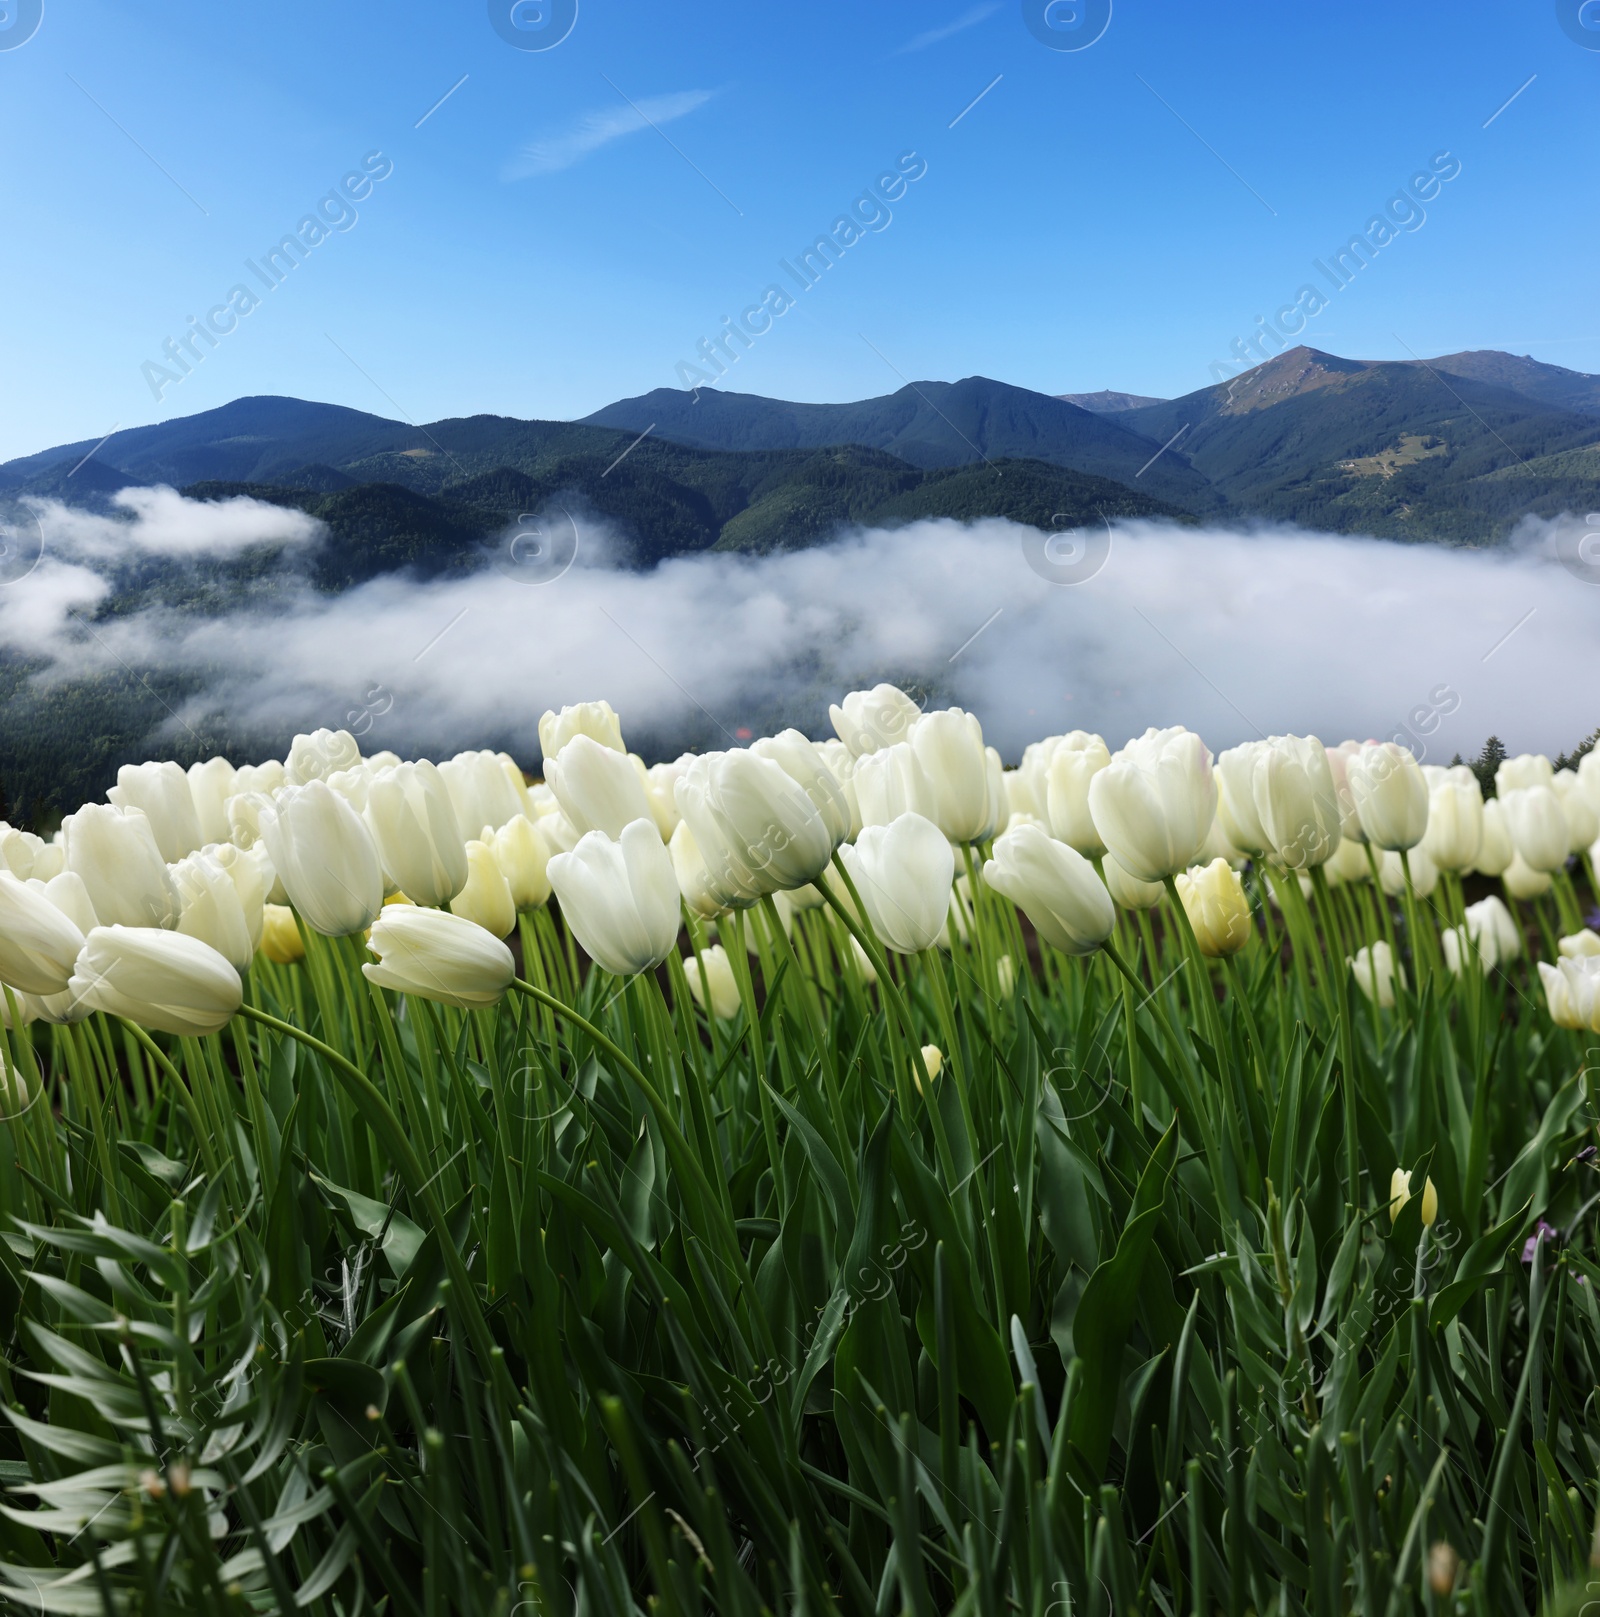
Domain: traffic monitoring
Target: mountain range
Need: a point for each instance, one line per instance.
(1454, 450)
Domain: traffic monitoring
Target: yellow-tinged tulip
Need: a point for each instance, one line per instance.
(486, 898)
(933, 1060)
(281, 942)
(1400, 1194)
(524, 858)
(1213, 899)
(596, 720)
(719, 979)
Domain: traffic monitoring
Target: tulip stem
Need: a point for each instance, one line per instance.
(1197, 963)
(1347, 1043)
(190, 1105)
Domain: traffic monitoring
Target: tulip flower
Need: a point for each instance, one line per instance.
(353, 785)
(1077, 758)
(1455, 820)
(1489, 916)
(281, 942)
(1583, 824)
(320, 754)
(162, 792)
(212, 910)
(39, 943)
(598, 789)
(1213, 899)
(439, 956)
(1236, 798)
(523, 857)
(115, 853)
(949, 748)
(841, 764)
(481, 792)
(1392, 873)
(593, 719)
(161, 980)
(419, 839)
(485, 899)
(1128, 892)
(1461, 943)
(1589, 778)
(696, 886)
(1521, 880)
(264, 778)
(1376, 972)
(1348, 863)
(757, 828)
(1020, 795)
(559, 833)
(868, 721)
(863, 962)
(1495, 851)
(996, 813)
(1519, 773)
(1538, 825)
(619, 898)
(325, 857)
(1154, 802)
(799, 759)
(1576, 946)
(903, 872)
(1339, 768)
(718, 978)
(1390, 793)
(660, 790)
(211, 784)
(932, 1061)
(19, 850)
(891, 782)
(1296, 801)
(1400, 1194)
(1055, 887)
(1572, 992)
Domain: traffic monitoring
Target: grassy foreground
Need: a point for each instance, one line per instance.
(617, 1306)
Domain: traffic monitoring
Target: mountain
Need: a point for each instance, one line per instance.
(1397, 448)
(926, 423)
(1549, 384)
(1106, 402)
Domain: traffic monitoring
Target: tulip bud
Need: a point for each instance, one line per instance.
(1583, 824)
(593, 719)
(1390, 793)
(891, 782)
(1296, 801)
(485, 899)
(1400, 1194)
(800, 760)
(116, 855)
(1461, 944)
(438, 956)
(863, 961)
(162, 792)
(1495, 851)
(1526, 770)
(1154, 803)
(211, 784)
(1538, 825)
(1055, 887)
(266, 778)
(1489, 917)
(1572, 991)
(212, 910)
(1213, 899)
(325, 857)
(1521, 880)
(419, 840)
(718, 976)
(1076, 759)
(1443, 1565)
(161, 980)
(1236, 798)
(757, 828)
(481, 792)
(281, 942)
(1005, 973)
(523, 858)
(620, 899)
(933, 1060)
(841, 763)
(1455, 821)
(1376, 972)
(1392, 873)
(949, 747)
(598, 789)
(903, 873)
(868, 721)
(660, 790)
(1578, 946)
(1348, 864)
(695, 883)
(49, 860)
(320, 754)
(39, 943)
(1128, 892)
(1339, 768)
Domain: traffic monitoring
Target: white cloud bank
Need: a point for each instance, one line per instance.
(1231, 632)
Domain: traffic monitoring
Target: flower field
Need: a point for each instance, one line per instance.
(820, 1176)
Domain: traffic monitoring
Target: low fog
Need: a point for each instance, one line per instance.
(1233, 631)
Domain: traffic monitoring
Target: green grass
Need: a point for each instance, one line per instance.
(608, 1308)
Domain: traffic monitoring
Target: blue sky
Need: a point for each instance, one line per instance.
(566, 226)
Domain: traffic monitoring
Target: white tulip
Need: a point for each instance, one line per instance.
(1071, 765)
(1390, 793)
(212, 911)
(1583, 823)
(420, 841)
(620, 898)
(1392, 873)
(161, 980)
(1236, 798)
(39, 942)
(1496, 850)
(903, 873)
(1521, 880)
(211, 784)
(598, 789)
(265, 778)
(593, 719)
(1538, 825)
(19, 850)
(949, 747)
(1296, 801)
(1154, 803)
(868, 721)
(1519, 773)
(1348, 864)
(841, 764)
(523, 857)
(480, 791)
(1339, 767)
(438, 956)
(718, 978)
(162, 792)
(485, 898)
(116, 855)
(800, 760)
(696, 885)
(1457, 949)
(1580, 945)
(1455, 820)
(251, 873)
(1375, 972)
(1490, 917)
(1128, 892)
(325, 857)
(661, 791)
(320, 754)
(1055, 887)
(890, 782)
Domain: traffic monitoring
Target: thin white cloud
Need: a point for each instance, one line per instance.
(948, 30)
(163, 522)
(551, 153)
